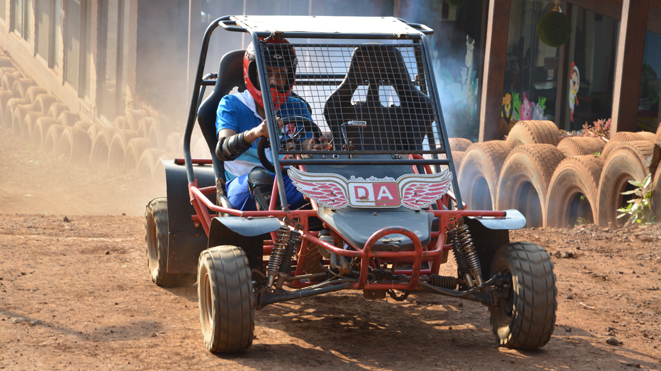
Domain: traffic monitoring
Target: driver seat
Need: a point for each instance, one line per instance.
(230, 76)
(395, 128)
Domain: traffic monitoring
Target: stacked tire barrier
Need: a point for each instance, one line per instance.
(558, 183)
(134, 144)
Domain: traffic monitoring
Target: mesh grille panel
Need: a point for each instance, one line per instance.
(364, 98)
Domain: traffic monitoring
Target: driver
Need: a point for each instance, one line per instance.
(240, 123)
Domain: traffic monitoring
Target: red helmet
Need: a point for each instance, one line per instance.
(277, 53)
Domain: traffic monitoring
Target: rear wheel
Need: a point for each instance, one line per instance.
(156, 235)
(525, 318)
(225, 295)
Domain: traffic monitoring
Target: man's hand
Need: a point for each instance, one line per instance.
(316, 144)
(262, 130)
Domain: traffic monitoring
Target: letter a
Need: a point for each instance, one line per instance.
(384, 192)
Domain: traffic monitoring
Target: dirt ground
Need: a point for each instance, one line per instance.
(76, 295)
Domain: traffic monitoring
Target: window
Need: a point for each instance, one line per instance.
(22, 18)
(86, 53)
(18, 16)
(650, 84)
(591, 68)
(113, 45)
(77, 48)
(72, 42)
(45, 32)
(55, 57)
(3, 9)
(529, 92)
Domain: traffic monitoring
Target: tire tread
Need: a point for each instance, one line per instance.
(535, 304)
(231, 286)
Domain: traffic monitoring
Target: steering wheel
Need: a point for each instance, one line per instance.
(264, 142)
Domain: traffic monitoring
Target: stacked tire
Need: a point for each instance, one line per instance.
(559, 183)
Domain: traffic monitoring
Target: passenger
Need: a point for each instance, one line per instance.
(240, 123)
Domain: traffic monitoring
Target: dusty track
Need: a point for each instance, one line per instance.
(76, 295)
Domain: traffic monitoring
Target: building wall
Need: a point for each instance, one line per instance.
(73, 48)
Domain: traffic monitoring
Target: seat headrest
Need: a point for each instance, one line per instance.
(393, 128)
(230, 76)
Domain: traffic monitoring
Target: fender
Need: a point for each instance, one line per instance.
(248, 234)
(513, 220)
(185, 240)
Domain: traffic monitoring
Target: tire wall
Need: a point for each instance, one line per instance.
(524, 180)
(573, 191)
(479, 173)
(581, 146)
(533, 132)
(625, 162)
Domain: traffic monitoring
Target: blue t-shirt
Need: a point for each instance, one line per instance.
(234, 113)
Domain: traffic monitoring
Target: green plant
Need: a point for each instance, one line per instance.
(639, 209)
(516, 105)
(582, 221)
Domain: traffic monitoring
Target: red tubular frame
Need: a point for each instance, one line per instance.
(433, 252)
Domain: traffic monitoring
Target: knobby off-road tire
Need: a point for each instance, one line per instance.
(575, 176)
(622, 137)
(225, 295)
(479, 173)
(524, 180)
(526, 319)
(156, 236)
(533, 132)
(581, 146)
(627, 161)
(459, 144)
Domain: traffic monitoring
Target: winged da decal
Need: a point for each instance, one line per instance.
(414, 191)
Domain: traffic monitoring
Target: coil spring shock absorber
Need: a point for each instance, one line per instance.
(460, 256)
(284, 249)
(466, 241)
(290, 251)
(278, 253)
(465, 254)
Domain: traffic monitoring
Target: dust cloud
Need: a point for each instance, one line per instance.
(32, 182)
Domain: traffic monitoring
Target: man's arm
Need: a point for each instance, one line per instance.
(232, 145)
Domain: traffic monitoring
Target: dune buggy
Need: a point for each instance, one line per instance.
(384, 209)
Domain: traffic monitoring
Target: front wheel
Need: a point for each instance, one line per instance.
(524, 319)
(225, 295)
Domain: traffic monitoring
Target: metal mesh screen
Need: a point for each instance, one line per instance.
(364, 98)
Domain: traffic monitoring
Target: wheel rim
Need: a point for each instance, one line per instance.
(207, 302)
(507, 304)
(152, 247)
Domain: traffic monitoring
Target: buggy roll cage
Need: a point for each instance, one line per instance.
(229, 23)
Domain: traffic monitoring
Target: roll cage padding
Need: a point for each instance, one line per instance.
(230, 148)
(398, 126)
(230, 76)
